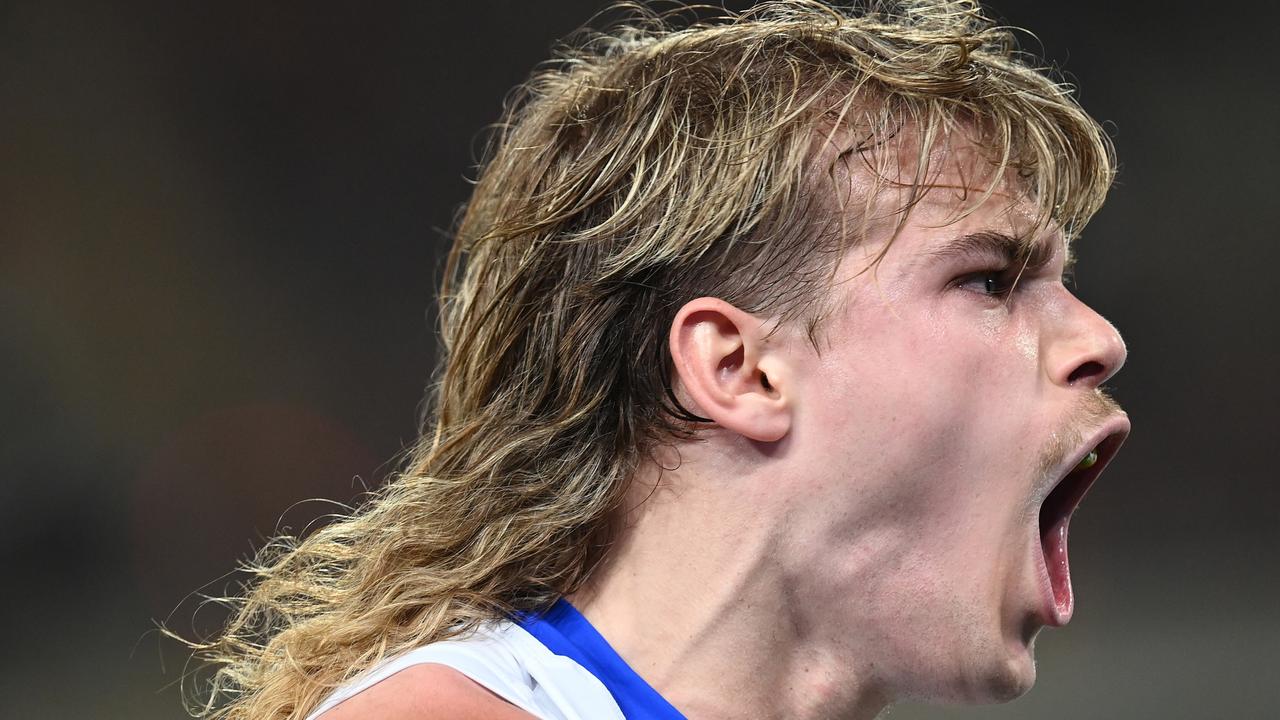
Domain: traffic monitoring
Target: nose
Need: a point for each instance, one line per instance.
(1087, 349)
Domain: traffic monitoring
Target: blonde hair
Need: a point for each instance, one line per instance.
(641, 168)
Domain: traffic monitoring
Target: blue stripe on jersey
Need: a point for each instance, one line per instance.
(566, 632)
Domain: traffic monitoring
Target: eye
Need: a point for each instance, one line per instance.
(993, 283)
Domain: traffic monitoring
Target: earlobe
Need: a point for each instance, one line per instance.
(725, 366)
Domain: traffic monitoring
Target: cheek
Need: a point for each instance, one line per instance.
(909, 395)
(892, 428)
(927, 424)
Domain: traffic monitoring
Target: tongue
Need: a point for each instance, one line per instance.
(1054, 541)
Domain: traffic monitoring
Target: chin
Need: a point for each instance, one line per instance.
(1002, 670)
(1008, 680)
(984, 678)
(995, 677)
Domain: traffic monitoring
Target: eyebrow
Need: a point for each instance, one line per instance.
(1014, 250)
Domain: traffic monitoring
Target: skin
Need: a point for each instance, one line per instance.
(859, 524)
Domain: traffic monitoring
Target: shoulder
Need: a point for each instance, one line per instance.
(426, 692)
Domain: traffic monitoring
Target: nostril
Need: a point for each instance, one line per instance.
(1090, 370)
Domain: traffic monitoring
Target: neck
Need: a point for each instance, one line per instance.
(693, 598)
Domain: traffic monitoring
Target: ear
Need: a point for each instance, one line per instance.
(725, 367)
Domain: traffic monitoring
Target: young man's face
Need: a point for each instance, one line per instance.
(944, 403)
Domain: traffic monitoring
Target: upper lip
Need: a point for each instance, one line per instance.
(1106, 440)
(1059, 502)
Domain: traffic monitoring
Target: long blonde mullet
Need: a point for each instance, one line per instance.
(643, 167)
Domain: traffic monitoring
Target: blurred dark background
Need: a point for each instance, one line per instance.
(220, 232)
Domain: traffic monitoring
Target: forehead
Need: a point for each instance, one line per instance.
(894, 197)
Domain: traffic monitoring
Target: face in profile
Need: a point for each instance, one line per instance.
(950, 420)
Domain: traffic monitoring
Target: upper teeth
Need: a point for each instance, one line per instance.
(1088, 460)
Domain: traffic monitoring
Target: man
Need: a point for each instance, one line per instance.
(762, 397)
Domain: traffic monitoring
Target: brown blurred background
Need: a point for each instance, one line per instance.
(221, 227)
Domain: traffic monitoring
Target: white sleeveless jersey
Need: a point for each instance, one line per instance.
(506, 659)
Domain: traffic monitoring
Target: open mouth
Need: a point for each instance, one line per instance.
(1055, 517)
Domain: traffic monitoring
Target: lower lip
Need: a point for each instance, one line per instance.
(1055, 574)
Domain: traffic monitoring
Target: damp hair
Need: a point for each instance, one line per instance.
(662, 159)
